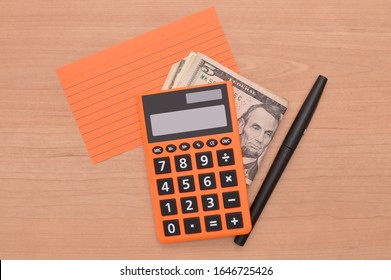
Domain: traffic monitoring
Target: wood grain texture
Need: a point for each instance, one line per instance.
(333, 200)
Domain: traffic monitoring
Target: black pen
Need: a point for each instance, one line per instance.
(284, 154)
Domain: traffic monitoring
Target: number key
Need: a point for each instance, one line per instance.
(207, 181)
(204, 160)
(186, 184)
(182, 163)
(210, 202)
(165, 186)
(189, 204)
(171, 228)
(168, 207)
(162, 165)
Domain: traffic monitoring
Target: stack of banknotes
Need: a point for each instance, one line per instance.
(259, 110)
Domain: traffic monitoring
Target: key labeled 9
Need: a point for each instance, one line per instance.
(204, 160)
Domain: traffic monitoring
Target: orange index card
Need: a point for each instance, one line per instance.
(102, 89)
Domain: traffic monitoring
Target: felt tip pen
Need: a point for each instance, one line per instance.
(284, 154)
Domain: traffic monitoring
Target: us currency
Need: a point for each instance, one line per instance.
(259, 111)
(177, 70)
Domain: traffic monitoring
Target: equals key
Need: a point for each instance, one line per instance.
(213, 223)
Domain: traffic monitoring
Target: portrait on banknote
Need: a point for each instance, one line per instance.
(259, 111)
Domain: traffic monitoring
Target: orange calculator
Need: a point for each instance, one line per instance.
(194, 162)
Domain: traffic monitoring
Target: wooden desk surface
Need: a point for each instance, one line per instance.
(334, 199)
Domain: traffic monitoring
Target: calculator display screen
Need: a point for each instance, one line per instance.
(188, 120)
(187, 113)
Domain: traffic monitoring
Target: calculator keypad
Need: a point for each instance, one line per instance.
(205, 198)
(194, 159)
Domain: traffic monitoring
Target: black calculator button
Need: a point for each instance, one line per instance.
(189, 204)
(210, 202)
(192, 225)
(165, 186)
(171, 148)
(171, 228)
(207, 181)
(168, 207)
(157, 150)
(211, 143)
(184, 146)
(234, 220)
(183, 163)
(162, 165)
(204, 160)
(186, 184)
(198, 144)
(213, 223)
(225, 141)
(228, 178)
(225, 157)
(231, 199)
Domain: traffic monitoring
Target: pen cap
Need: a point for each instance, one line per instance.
(305, 114)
